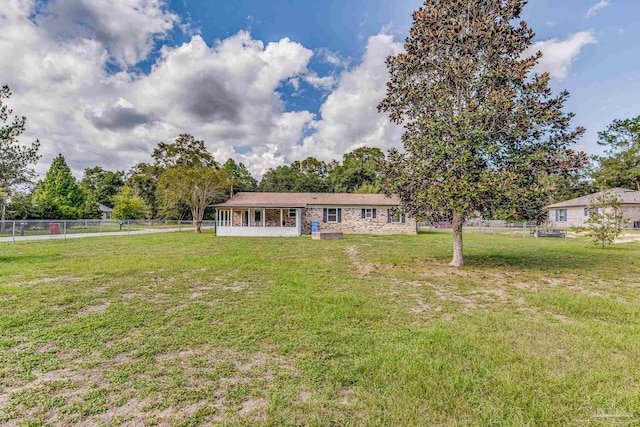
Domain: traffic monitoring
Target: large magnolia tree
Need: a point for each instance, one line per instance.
(481, 129)
(196, 187)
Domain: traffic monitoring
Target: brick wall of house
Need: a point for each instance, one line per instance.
(353, 223)
(576, 217)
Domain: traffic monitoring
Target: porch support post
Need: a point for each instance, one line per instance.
(298, 220)
(231, 219)
(281, 218)
(249, 218)
(264, 219)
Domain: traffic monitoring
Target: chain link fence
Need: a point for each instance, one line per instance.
(513, 229)
(63, 229)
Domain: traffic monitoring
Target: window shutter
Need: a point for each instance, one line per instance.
(324, 215)
(388, 215)
(557, 214)
(362, 214)
(404, 218)
(339, 215)
(374, 213)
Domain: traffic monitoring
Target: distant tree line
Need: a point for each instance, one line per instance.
(159, 189)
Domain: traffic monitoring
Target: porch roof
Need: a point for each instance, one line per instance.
(303, 200)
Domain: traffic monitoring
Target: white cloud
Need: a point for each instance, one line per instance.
(325, 83)
(126, 28)
(349, 116)
(596, 8)
(226, 92)
(558, 55)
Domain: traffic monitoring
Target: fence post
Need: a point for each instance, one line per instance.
(64, 227)
(128, 226)
(179, 225)
(101, 221)
(14, 231)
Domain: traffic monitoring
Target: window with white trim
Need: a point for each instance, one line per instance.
(368, 213)
(397, 218)
(257, 216)
(561, 215)
(292, 213)
(332, 215)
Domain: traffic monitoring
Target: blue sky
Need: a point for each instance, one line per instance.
(265, 82)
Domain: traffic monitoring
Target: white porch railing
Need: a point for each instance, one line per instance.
(257, 231)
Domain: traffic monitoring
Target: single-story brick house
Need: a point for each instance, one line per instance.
(574, 212)
(291, 214)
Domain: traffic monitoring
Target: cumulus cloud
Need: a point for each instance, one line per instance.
(349, 117)
(596, 8)
(226, 92)
(118, 117)
(558, 55)
(127, 29)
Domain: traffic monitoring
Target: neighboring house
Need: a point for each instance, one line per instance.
(575, 212)
(106, 211)
(291, 214)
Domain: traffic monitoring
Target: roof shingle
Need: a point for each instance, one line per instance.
(626, 197)
(303, 200)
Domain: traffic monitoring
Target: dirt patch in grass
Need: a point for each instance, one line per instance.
(93, 309)
(216, 379)
(44, 280)
(235, 287)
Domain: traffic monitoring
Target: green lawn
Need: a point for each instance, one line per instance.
(186, 329)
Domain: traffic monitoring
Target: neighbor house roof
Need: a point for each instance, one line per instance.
(626, 197)
(104, 208)
(303, 200)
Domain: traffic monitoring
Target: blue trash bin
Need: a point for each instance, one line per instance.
(315, 226)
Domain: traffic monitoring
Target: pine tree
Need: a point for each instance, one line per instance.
(15, 160)
(59, 196)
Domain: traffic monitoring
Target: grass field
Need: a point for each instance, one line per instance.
(185, 329)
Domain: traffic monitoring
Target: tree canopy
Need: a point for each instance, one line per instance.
(101, 185)
(59, 196)
(15, 159)
(480, 129)
(240, 178)
(196, 187)
(621, 166)
(185, 151)
(126, 205)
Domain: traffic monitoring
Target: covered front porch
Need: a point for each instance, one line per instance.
(259, 222)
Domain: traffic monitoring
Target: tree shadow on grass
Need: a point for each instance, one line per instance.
(26, 258)
(558, 258)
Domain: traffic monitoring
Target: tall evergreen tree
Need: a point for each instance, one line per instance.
(480, 130)
(241, 179)
(59, 196)
(621, 166)
(15, 160)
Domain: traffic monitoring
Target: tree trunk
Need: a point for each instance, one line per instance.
(458, 259)
(4, 212)
(197, 215)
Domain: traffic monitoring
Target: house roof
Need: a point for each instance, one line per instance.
(626, 196)
(104, 208)
(303, 200)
